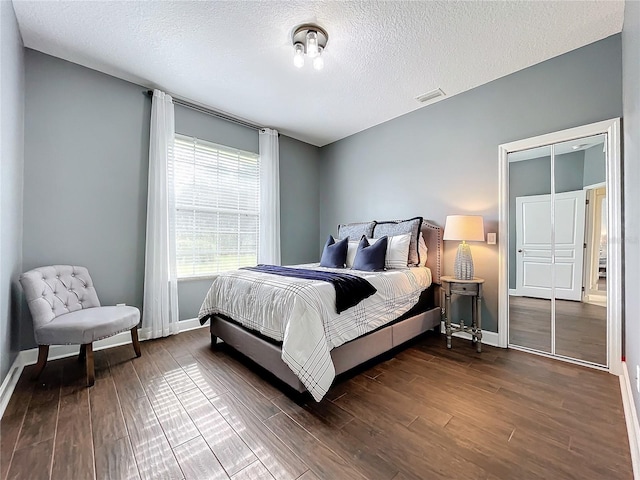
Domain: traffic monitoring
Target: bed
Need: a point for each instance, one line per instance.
(308, 353)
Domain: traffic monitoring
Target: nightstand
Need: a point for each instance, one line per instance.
(469, 288)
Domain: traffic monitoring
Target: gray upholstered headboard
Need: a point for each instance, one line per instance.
(433, 238)
(431, 233)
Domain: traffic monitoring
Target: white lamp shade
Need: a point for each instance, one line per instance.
(469, 228)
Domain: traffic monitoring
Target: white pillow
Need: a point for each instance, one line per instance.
(352, 248)
(397, 250)
(422, 248)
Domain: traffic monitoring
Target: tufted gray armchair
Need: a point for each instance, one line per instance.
(66, 311)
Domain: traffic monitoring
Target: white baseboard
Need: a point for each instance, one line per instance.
(30, 357)
(631, 417)
(488, 338)
(9, 384)
(191, 324)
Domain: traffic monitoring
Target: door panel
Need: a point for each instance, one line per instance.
(533, 243)
(580, 326)
(565, 277)
(537, 275)
(536, 220)
(530, 254)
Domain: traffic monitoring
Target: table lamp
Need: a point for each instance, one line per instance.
(465, 228)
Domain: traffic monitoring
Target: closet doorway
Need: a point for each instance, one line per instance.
(560, 286)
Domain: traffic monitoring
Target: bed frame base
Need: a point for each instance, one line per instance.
(345, 357)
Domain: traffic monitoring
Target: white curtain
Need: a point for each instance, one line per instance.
(269, 240)
(160, 307)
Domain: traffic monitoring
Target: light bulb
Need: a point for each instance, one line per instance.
(312, 44)
(298, 56)
(318, 62)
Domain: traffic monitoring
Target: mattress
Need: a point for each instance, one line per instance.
(301, 313)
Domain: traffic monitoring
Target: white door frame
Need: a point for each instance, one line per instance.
(614, 229)
(590, 296)
(592, 240)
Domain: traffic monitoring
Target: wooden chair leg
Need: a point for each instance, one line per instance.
(43, 353)
(91, 376)
(83, 353)
(135, 341)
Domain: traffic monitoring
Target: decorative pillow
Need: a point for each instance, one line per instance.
(397, 250)
(334, 253)
(370, 258)
(422, 249)
(351, 253)
(400, 227)
(356, 230)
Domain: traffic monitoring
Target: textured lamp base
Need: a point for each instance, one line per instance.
(463, 266)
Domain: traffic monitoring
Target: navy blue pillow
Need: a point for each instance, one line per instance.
(371, 257)
(334, 254)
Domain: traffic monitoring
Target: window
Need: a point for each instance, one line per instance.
(217, 207)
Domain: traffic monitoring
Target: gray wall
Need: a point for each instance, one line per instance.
(206, 127)
(631, 125)
(595, 166)
(11, 175)
(443, 159)
(299, 201)
(569, 172)
(299, 197)
(86, 168)
(85, 188)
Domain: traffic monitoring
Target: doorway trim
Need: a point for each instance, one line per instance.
(614, 218)
(592, 240)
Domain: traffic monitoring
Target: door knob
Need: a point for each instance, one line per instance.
(520, 250)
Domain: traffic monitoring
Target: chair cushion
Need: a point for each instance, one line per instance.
(87, 325)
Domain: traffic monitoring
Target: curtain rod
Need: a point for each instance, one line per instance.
(213, 113)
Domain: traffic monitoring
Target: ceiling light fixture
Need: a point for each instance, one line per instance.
(309, 40)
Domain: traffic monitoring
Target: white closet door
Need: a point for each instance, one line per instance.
(534, 254)
(533, 246)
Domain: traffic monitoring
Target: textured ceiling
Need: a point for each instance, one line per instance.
(236, 56)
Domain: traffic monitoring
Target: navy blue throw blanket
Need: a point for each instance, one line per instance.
(350, 289)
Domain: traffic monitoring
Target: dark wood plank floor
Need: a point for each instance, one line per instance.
(183, 411)
(581, 328)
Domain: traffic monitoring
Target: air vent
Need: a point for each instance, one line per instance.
(426, 97)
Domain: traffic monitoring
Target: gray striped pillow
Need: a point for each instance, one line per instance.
(355, 231)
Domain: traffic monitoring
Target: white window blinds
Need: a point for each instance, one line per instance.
(217, 207)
